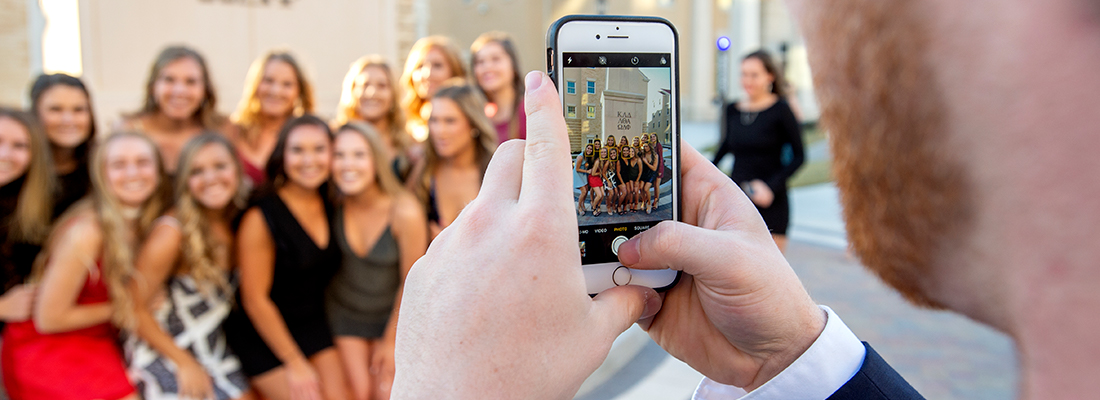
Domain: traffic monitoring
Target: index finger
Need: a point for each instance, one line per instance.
(547, 167)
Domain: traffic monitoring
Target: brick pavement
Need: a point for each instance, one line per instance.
(942, 354)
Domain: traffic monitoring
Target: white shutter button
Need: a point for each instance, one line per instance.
(616, 242)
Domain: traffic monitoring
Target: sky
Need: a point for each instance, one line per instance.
(658, 79)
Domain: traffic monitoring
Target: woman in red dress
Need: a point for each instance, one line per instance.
(69, 349)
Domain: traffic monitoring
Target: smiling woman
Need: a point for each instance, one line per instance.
(179, 103)
(287, 258)
(495, 64)
(82, 294)
(275, 90)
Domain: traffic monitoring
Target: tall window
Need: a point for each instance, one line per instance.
(571, 111)
(591, 111)
(591, 87)
(570, 87)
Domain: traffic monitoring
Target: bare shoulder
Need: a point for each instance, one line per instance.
(253, 225)
(79, 231)
(166, 229)
(407, 209)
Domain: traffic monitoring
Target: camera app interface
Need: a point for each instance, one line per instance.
(618, 108)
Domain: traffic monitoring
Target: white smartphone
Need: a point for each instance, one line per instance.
(618, 80)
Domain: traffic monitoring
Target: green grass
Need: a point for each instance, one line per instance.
(812, 173)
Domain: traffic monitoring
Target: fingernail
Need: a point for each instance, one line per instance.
(533, 80)
(652, 304)
(628, 252)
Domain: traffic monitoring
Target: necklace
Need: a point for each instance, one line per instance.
(748, 117)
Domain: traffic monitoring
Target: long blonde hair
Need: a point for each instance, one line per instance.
(347, 110)
(412, 103)
(198, 244)
(120, 237)
(472, 104)
(247, 115)
(30, 222)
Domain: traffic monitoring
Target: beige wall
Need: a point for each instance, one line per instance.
(120, 38)
(16, 67)
(527, 21)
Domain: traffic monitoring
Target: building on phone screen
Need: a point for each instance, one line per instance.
(600, 102)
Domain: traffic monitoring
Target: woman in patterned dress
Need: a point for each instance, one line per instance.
(181, 289)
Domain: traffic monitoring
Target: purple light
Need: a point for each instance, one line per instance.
(724, 43)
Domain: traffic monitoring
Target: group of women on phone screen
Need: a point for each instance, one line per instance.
(623, 176)
(190, 255)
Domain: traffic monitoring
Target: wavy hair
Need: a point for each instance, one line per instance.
(198, 245)
(505, 41)
(30, 222)
(207, 114)
(347, 109)
(412, 103)
(45, 82)
(248, 111)
(472, 104)
(120, 236)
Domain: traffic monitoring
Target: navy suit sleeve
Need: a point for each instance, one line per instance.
(876, 380)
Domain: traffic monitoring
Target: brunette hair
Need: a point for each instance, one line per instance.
(505, 41)
(197, 244)
(276, 164)
(30, 222)
(383, 173)
(412, 102)
(207, 114)
(472, 104)
(248, 110)
(45, 82)
(120, 237)
(779, 84)
(347, 110)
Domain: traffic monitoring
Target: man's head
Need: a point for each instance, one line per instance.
(959, 131)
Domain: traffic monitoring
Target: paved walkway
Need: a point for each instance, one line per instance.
(943, 355)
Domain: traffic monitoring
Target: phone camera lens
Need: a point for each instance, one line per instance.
(616, 28)
(597, 36)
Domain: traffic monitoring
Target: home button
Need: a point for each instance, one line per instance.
(621, 276)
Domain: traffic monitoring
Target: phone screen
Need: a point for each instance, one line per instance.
(619, 109)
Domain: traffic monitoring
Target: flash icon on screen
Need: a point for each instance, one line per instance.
(603, 60)
(570, 60)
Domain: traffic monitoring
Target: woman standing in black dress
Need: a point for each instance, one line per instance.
(287, 256)
(757, 130)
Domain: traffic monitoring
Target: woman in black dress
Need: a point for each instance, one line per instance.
(63, 107)
(287, 256)
(757, 130)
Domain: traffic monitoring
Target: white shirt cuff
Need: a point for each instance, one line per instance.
(830, 362)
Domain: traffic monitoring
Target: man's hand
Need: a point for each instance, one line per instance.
(497, 308)
(739, 315)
